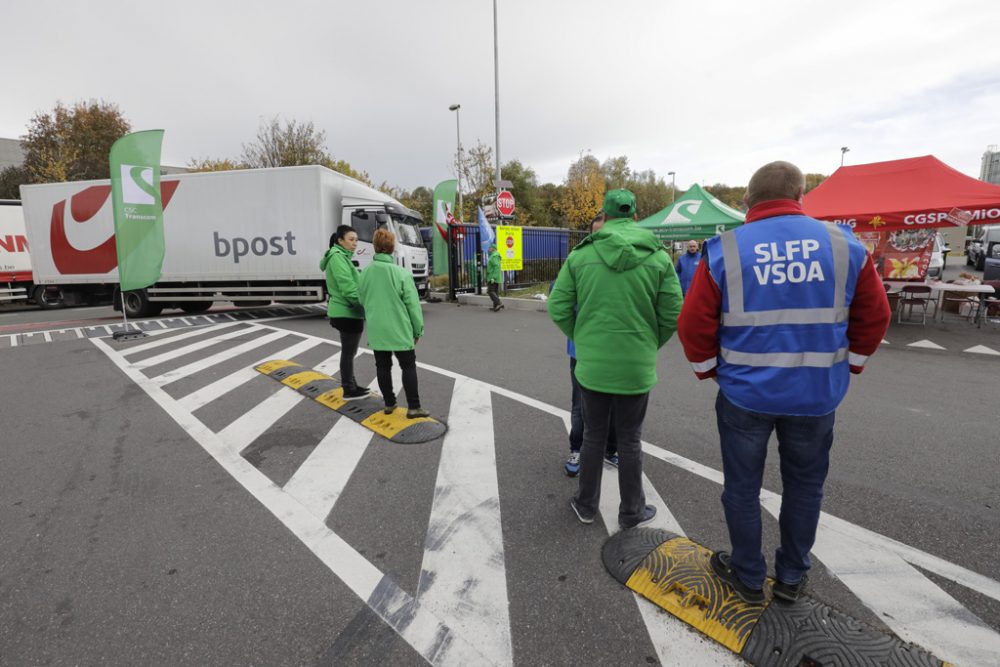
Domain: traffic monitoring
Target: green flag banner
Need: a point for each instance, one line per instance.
(135, 197)
(444, 195)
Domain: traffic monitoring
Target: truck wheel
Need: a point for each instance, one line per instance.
(196, 306)
(47, 297)
(137, 304)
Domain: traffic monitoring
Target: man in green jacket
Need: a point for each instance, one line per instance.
(618, 297)
(493, 278)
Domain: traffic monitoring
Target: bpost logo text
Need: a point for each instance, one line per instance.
(259, 246)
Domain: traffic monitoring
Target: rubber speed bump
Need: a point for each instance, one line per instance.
(368, 412)
(674, 573)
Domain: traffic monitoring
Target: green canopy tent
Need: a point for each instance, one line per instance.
(695, 215)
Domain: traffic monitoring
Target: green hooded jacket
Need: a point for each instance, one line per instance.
(391, 304)
(617, 297)
(341, 283)
(493, 267)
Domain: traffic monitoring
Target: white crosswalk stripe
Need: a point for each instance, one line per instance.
(460, 611)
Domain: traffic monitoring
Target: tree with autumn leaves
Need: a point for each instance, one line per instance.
(70, 143)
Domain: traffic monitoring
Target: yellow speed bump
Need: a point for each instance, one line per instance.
(673, 573)
(368, 412)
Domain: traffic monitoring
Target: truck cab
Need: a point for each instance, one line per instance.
(404, 224)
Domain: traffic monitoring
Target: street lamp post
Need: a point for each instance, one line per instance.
(496, 84)
(673, 180)
(843, 149)
(458, 136)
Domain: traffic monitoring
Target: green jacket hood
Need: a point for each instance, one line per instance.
(331, 252)
(623, 245)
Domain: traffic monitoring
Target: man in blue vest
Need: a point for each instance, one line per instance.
(781, 311)
(687, 264)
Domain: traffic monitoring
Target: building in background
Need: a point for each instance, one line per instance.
(11, 153)
(990, 170)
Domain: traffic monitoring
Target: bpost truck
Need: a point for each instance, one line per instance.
(15, 262)
(248, 236)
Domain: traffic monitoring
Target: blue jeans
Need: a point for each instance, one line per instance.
(804, 448)
(576, 418)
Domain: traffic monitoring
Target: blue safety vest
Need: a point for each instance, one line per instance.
(787, 284)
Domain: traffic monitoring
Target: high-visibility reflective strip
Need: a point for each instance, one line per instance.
(787, 316)
(857, 359)
(784, 359)
(734, 273)
(736, 316)
(707, 365)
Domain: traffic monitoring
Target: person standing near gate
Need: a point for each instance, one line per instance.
(344, 307)
(781, 311)
(493, 278)
(617, 298)
(395, 322)
(687, 264)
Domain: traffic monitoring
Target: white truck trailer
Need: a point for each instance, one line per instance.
(248, 236)
(15, 262)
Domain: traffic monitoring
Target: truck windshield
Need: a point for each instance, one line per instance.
(409, 233)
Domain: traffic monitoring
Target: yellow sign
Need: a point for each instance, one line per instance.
(510, 249)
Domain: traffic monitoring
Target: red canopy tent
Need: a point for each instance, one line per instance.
(915, 193)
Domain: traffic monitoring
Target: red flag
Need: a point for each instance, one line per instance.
(449, 220)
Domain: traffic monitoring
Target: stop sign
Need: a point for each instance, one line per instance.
(505, 204)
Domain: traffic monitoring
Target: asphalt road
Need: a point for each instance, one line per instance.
(132, 535)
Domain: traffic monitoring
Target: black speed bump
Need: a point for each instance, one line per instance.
(368, 412)
(673, 573)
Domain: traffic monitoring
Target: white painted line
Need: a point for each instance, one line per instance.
(186, 321)
(904, 599)
(885, 342)
(190, 348)
(673, 641)
(252, 424)
(107, 329)
(222, 386)
(163, 325)
(463, 576)
(230, 317)
(167, 341)
(926, 345)
(47, 336)
(982, 349)
(202, 364)
(965, 577)
(79, 333)
(13, 340)
(420, 628)
(321, 479)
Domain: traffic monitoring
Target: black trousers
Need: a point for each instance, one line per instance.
(383, 370)
(350, 338)
(629, 413)
(493, 289)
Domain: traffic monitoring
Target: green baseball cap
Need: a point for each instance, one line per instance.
(619, 204)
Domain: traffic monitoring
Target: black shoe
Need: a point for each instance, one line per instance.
(355, 393)
(789, 592)
(417, 413)
(648, 514)
(580, 514)
(722, 567)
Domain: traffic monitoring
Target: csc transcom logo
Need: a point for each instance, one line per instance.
(83, 206)
(137, 185)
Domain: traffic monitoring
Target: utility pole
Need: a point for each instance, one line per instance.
(458, 135)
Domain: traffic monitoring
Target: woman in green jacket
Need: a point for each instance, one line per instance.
(395, 322)
(344, 309)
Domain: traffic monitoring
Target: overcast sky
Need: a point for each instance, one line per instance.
(710, 90)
